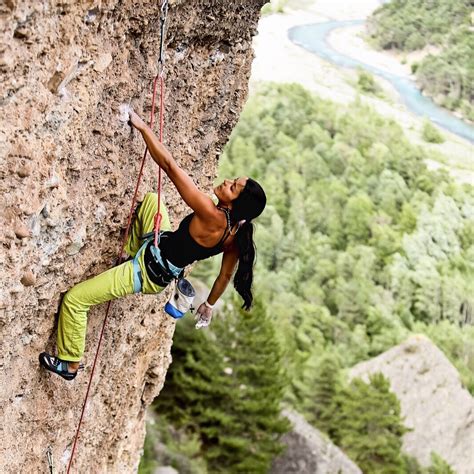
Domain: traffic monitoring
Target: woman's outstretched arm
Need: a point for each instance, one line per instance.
(229, 261)
(201, 204)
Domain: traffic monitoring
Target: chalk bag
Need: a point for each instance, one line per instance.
(181, 300)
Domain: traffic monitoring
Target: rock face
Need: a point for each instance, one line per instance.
(309, 452)
(68, 169)
(435, 405)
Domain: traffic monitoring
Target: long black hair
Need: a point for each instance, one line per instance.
(249, 205)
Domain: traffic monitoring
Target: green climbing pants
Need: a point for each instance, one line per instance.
(109, 285)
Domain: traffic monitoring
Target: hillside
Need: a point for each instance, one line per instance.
(442, 33)
(360, 246)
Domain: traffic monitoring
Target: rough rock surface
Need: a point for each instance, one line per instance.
(309, 452)
(68, 169)
(435, 405)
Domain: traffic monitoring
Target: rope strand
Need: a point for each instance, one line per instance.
(158, 213)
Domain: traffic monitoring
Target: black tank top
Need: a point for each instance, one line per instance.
(181, 249)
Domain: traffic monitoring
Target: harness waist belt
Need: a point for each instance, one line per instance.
(159, 270)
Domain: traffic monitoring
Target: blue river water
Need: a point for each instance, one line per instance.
(313, 37)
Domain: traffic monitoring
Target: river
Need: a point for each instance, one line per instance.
(314, 38)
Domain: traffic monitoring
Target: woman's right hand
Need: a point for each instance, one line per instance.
(136, 121)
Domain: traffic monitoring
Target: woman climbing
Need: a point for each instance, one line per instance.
(209, 230)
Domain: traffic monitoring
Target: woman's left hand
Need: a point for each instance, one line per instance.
(203, 316)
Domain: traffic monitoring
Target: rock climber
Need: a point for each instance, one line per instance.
(225, 227)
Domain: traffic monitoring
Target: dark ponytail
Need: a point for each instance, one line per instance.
(244, 275)
(250, 204)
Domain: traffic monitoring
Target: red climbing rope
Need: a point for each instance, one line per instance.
(164, 10)
(158, 213)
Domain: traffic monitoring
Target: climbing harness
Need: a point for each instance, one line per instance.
(153, 255)
(137, 273)
(159, 77)
(182, 298)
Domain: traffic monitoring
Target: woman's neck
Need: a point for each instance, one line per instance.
(221, 205)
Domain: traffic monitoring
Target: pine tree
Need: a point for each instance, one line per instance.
(318, 394)
(255, 384)
(439, 465)
(194, 381)
(368, 426)
(227, 385)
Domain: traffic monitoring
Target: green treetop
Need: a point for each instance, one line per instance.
(369, 426)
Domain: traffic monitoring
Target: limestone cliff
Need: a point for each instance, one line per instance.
(435, 406)
(68, 167)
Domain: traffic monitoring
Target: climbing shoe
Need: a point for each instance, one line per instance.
(58, 366)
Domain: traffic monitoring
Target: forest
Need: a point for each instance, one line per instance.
(446, 73)
(360, 246)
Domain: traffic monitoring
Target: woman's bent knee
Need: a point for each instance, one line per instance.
(72, 297)
(150, 196)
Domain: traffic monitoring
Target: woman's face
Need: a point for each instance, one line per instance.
(230, 189)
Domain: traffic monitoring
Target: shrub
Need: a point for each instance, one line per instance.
(366, 83)
(430, 133)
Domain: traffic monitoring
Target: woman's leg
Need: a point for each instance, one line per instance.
(145, 222)
(72, 326)
(111, 284)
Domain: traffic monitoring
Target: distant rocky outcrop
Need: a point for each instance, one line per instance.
(68, 166)
(308, 451)
(438, 410)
